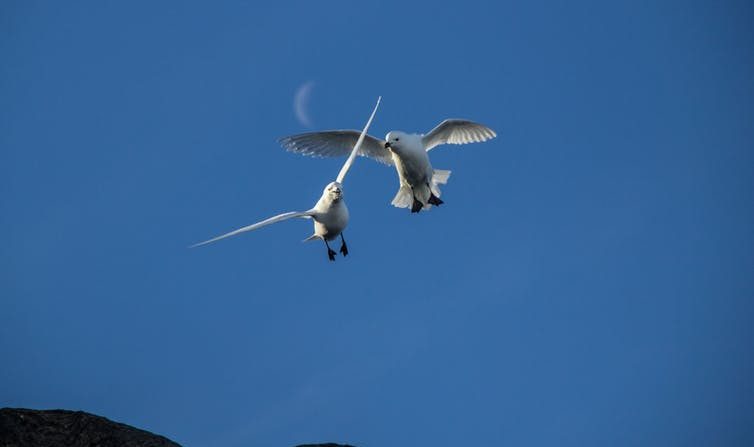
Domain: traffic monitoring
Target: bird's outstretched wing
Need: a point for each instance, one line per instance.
(336, 143)
(355, 150)
(271, 220)
(455, 131)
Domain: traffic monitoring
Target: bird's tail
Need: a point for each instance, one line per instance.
(404, 198)
(439, 177)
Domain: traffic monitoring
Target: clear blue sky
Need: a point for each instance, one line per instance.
(589, 280)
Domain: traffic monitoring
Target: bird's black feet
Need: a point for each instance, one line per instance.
(343, 246)
(417, 206)
(434, 200)
(330, 251)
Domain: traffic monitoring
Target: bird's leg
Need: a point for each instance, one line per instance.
(343, 247)
(416, 206)
(433, 199)
(330, 252)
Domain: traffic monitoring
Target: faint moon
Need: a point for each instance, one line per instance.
(301, 103)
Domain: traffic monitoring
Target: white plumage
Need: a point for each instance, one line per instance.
(418, 181)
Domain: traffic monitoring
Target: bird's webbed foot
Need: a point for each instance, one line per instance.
(330, 252)
(343, 246)
(434, 200)
(416, 206)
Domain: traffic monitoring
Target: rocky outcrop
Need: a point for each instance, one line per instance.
(20, 427)
(53, 428)
(329, 444)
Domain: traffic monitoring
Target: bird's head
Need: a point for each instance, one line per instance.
(395, 139)
(334, 191)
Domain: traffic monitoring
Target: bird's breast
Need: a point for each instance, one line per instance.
(412, 166)
(332, 220)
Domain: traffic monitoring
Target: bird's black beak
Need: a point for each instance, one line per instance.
(387, 144)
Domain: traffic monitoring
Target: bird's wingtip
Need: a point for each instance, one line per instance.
(199, 244)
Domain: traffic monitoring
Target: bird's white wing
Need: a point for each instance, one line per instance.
(271, 220)
(336, 143)
(355, 150)
(455, 131)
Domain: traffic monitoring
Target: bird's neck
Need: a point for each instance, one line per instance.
(326, 203)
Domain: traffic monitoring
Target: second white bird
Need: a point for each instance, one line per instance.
(330, 213)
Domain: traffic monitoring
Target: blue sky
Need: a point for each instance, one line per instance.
(587, 282)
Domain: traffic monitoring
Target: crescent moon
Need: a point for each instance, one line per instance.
(301, 103)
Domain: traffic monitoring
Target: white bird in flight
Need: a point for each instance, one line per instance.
(419, 182)
(330, 213)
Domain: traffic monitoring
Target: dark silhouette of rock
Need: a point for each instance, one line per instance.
(53, 428)
(328, 444)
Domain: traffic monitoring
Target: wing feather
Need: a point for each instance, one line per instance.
(355, 150)
(457, 131)
(336, 143)
(271, 220)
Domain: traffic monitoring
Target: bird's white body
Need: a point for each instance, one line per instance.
(330, 214)
(419, 182)
(415, 173)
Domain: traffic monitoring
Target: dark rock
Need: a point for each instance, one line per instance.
(52, 428)
(328, 444)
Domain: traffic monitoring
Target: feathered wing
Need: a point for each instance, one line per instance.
(455, 131)
(336, 143)
(355, 150)
(271, 220)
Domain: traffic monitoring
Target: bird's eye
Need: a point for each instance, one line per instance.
(397, 139)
